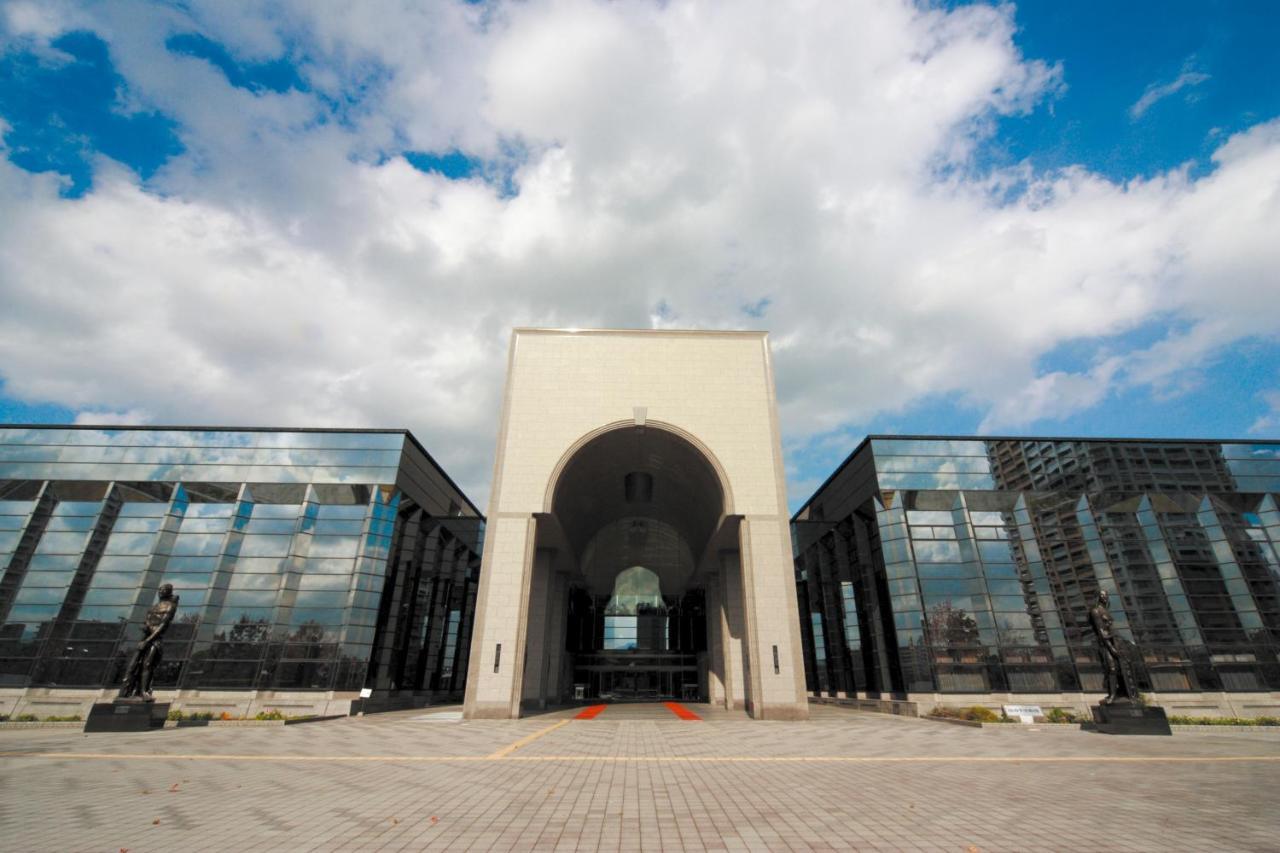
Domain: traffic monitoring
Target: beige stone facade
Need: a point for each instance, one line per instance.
(693, 411)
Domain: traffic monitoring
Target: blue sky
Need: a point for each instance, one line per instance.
(1041, 218)
(1112, 53)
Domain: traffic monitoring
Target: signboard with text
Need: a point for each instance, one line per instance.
(1023, 713)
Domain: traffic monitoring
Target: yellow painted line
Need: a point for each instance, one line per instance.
(527, 739)
(904, 759)
(504, 754)
(178, 756)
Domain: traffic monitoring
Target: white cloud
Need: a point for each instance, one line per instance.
(684, 162)
(1269, 423)
(1051, 395)
(133, 417)
(1159, 91)
(33, 19)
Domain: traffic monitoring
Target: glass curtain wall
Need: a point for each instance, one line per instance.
(983, 558)
(424, 634)
(281, 583)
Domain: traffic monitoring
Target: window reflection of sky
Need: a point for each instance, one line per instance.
(200, 456)
(932, 464)
(1022, 549)
(334, 488)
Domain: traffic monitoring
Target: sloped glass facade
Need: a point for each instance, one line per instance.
(968, 566)
(304, 560)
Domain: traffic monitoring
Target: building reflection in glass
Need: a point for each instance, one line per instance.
(304, 560)
(968, 566)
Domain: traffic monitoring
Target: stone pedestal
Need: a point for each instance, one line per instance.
(1128, 718)
(126, 716)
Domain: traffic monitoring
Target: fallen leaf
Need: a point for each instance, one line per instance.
(155, 822)
(435, 819)
(173, 787)
(395, 820)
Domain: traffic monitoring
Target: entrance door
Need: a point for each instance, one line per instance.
(657, 654)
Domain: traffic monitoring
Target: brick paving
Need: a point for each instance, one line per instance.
(637, 778)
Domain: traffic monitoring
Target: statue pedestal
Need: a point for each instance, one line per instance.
(124, 716)
(1129, 718)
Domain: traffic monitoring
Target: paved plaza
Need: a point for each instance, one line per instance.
(637, 778)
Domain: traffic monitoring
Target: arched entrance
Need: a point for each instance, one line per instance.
(622, 564)
(637, 540)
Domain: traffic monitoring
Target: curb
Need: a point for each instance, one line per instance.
(1181, 727)
(199, 724)
(973, 724)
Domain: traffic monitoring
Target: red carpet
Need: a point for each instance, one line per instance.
(590, 713)
(681, 711)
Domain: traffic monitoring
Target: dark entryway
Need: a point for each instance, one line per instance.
(624, 651)
(619, 577)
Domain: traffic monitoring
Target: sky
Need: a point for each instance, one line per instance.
(1039, 218)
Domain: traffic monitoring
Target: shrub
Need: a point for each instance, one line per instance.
(1062, 715)
(975, 713)
(69, 718)
(26, 718)
(225, 715)
(981, 714)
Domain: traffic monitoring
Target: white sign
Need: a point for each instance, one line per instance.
(366, 692)
(1023, 713)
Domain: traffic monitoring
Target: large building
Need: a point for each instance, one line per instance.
(309, 564)
(638, 547)
(944, 570)
(638, 543)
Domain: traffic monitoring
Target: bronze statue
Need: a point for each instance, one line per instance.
(1119, 675)
(150, 651)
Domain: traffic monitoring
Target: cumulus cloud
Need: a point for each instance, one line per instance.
(1051, 395)
(666, 164)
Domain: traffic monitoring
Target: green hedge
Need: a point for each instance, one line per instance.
(1062, 715)
(974, 713)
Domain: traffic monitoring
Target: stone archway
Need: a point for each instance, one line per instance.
(639, 499)
(611, 455)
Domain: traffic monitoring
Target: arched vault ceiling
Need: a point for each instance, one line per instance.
(686, 490)
(637, 541)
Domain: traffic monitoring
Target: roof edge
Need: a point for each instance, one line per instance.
(539, 330)
(202, 427)
(937, 437)
(413, 439)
